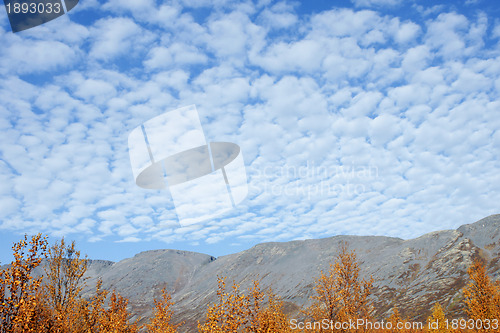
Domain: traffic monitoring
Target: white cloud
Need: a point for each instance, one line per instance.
(407, 32)
(121, 6)
(113, 37)
(452, 36)
(278, 16)
(346, 22)
(95, 90)
(174, 55)
(496, 31)
(8, 205)
(130, 239)
(384, 128)
(416, 58)
(230, 36)
(36, 56)
(410, 95)
(470, 82)
(304, 56)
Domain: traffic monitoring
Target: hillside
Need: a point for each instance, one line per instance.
(410, 274)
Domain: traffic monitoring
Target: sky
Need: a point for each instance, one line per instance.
(360, 117)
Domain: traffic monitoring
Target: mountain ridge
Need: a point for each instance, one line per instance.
(411, 274)
(408, 273)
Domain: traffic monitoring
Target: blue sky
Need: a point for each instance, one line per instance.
(364, 117)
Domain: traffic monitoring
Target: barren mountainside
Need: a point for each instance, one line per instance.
(410, 274)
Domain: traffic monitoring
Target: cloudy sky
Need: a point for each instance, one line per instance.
(364, 117)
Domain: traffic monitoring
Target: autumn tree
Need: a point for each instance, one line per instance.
(397, 323)
(227, 314)
(71, 313)
(394, 319)
(264, 311)
(56, 305)
(256, 312)
(115, 319)
(63, 284)
(341, 295)
(90, 313)
(482, 296)
(18, 287)
(437, 320)
(162, 316)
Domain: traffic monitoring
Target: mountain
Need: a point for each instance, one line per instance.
(409, 274)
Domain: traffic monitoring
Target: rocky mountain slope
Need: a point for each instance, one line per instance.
(410, 274)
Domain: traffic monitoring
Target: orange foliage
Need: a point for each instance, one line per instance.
(400, 324)
(89, 313)
(18, 288)
(161, 321)
(115, 319)
(264, 318)
(56, 306)
(437, 320)
(227, 315)
(340, 294)
(482, 296)
(60, 296)
(236, 312)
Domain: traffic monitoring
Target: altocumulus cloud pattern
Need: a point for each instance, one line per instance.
(396, 102)
(205, 180)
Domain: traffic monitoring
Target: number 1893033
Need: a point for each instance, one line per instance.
(34, 8)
